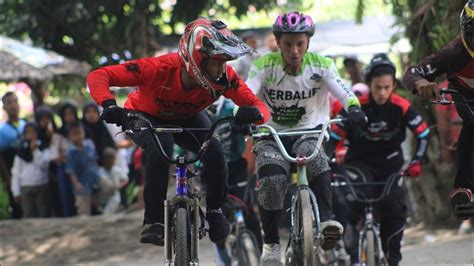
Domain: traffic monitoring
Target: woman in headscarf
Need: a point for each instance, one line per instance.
(96, 130)
(68, 115)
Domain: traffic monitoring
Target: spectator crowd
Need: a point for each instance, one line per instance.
(82, 167)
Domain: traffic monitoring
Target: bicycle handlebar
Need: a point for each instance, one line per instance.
(266, 130)
(385, 192)
(176, 130)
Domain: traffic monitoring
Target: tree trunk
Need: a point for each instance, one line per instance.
(37, 91)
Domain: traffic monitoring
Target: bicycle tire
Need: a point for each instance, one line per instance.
(181, 227)
(305, 209)
(370, 259)
(248, 250)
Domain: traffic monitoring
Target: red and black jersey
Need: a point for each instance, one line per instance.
(160, 92)
(453, 60)
(385, 130)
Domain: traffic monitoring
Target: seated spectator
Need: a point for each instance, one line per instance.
(30, 175)
(112, 179)
(81, 165)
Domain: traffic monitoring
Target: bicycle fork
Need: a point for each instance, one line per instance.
(370, 226)
(198, 231)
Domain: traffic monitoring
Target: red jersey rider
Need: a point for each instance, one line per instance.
(175, 89)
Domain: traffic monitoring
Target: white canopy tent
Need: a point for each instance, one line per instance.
(345, 37)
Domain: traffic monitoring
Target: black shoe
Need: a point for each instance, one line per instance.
(153, 234)
(219, 226)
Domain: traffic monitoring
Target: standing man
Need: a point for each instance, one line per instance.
(10, 136)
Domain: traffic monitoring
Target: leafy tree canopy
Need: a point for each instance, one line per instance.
(89, 29)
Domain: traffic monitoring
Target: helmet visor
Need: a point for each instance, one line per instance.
(225, 47)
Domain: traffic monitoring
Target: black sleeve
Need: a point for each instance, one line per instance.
(420, 131)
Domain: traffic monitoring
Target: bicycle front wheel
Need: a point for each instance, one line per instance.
(369, 249)
(181, 227)
(306, 225)
(248, 250)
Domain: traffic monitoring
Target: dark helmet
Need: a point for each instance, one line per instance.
(293, 22)
(467, 26)
(377, 61)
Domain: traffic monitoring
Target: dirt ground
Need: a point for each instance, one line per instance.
(113, 240)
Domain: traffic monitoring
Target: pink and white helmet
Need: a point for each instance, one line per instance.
(293, 22)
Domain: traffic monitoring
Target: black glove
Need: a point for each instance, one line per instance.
(248, 114)
(238, 128)
(355, 116)
(112, 113)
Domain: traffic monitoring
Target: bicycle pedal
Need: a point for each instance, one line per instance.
(202, 232)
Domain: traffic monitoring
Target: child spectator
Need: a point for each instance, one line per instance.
(68, 115)
(30, 175)
(81, 165)
(112, 179)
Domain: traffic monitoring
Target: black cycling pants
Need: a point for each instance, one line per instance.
(156, 168)
(390, 211)
(465, 157)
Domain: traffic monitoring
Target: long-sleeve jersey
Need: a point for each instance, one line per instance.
(34, 173)
(384, 132)
(453, 60)
(298, 101)
(160, 92)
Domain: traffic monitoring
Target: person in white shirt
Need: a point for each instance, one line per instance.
(111, 180)
(30, 175)
(294, 84)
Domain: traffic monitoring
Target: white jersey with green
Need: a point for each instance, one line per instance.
(298, 101)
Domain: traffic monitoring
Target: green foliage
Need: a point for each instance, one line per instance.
(90, 29)
(360, 10)
(429, 25)
(4, 203)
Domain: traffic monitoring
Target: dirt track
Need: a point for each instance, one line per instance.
(113, 240)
